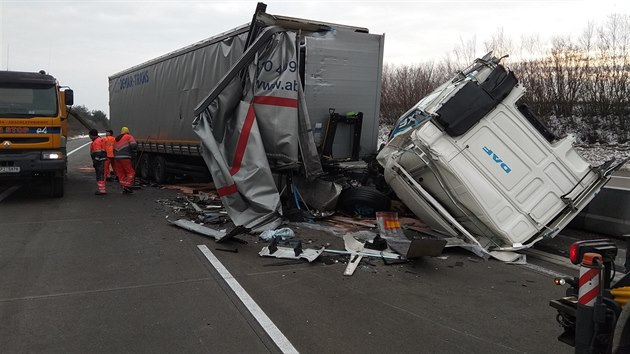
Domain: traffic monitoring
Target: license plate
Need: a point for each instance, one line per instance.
(10, 169)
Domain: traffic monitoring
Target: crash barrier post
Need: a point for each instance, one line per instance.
(588, 290)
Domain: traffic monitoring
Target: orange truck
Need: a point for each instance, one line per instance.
(33, 129)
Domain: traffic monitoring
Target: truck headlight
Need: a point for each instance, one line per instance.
(52, 155)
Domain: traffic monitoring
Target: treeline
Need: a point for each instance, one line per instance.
(81, 120)
(578, 85)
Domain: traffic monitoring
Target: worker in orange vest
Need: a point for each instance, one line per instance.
(125, 147)
(109, 149)
(98, 154)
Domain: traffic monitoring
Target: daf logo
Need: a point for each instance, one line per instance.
(6, 144)
(497, 160)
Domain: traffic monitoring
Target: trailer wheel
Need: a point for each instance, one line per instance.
(144, 166)
(57, 186)
(364, 201)
(160, 174)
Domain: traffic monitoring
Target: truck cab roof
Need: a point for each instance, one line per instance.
(29, 78)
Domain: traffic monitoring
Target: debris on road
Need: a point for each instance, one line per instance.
(273, 250)
(200, 229)
(283, 233)
(452, 180)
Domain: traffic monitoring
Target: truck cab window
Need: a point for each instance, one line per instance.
(28, 101)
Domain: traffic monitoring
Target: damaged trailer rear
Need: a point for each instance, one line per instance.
(474, 165)
(338, 67)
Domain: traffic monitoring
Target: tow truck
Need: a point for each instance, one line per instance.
(595, 311)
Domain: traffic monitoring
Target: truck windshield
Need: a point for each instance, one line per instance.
(26, 102)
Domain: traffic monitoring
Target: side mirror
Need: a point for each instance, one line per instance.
(69, 97)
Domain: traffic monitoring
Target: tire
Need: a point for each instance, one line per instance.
(158, 169)
(144, 166)
(364, 201)
(57, 186)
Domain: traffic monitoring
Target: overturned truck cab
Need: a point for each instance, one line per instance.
(473, 165)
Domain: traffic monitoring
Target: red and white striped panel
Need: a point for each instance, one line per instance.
(588, 285)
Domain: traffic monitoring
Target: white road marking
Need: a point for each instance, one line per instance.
(80, 147)
(265, 322)
(545, 271)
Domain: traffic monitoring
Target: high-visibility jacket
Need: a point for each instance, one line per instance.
(97, 149)
(109, 145)
(125, 146)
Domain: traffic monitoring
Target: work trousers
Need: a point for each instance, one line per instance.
(125, 172)
(99, 169)
(109, 162)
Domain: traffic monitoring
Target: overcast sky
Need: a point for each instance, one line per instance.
(82, 42)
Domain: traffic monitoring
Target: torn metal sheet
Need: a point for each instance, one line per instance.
(309, 254)
(200, 229)
(233, 145)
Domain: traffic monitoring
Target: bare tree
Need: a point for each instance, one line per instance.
(576, 85)
(403, 86)
(499, 44)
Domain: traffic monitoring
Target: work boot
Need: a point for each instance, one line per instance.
(99, 193)
(127, 190)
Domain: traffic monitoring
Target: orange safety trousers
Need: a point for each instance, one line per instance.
(110, 161)
(125, 172)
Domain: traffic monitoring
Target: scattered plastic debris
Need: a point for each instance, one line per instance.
(283, 233)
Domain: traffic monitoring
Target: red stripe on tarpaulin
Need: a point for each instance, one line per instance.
(242, 140)
(249, 122)
(276, 101)
(227, 190)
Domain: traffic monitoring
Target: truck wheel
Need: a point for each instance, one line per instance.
(158, 167)
(144, 166)
(57, 186)
(364, 201)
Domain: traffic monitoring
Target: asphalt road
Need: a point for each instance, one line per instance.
(89, 273)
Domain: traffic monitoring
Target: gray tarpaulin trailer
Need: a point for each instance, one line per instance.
(340, 67)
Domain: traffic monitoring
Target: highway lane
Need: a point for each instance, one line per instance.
(74, 146)
(89, 273)
(86, 273)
